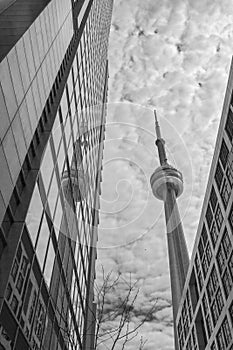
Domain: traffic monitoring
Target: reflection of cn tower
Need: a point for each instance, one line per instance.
(167, 185)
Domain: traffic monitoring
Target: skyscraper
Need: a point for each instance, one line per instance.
(205, 316)
(53, 90)
(167, 185)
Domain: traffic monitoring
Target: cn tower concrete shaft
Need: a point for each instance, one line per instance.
(167, 185)
(177, 248)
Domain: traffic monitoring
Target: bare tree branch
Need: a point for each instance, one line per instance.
(116, 325)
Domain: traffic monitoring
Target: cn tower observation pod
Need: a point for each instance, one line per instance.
(164, 177)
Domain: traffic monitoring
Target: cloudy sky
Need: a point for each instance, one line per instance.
(172, 55)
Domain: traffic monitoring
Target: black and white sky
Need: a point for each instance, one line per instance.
(172, 55)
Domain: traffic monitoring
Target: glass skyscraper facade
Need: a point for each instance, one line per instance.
(53, 91)
(205, 315)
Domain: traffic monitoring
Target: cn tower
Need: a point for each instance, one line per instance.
(167, 185)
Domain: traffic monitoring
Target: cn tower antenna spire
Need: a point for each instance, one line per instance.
(160, 143)
(167, 185)
(157, 127)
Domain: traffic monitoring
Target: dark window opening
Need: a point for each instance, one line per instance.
(7, 221)
(219, 175)
(14, 304)
(227, 283)
(14, 201)
(209, 216)
(229, 125)
(213, 199)
(231, 217)
(193, 290)
(8, 292)
(224, 152)
(219, 217)
(201, 333)
(214, 234)
(225, 192)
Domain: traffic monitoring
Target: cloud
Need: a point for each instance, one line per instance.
(172, 55)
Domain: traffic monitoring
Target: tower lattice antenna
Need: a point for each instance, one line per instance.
(157, 127)
(160, 143)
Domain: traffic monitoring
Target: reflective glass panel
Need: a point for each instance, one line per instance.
(34, 214)
(42, 242)
(53, 192)
(49, 263)
(47, 167)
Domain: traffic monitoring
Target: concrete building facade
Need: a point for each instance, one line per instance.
(53, 93)
(205, 315)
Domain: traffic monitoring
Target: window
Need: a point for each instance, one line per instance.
(32, 307)
(197, 264)
(219, 175)
(209, 216)
(14, 270)
(224, 336)
(24, 265)
(200, 280)
(230, 264)
(204, 236)
(221, 259)
(225, 192)
(219, 299)
(180, 326)
(231, 312)
(208, 253)
(213, 347)
(226, 243)
(229, 174)
(231, 217)
(214, 234)
(220, 340)
(194, 339)
(227, 282)
(213, 199)
(214, 310)
(8, 292)
(27, 332)
(14, 304)
(19, 284)
(219, 217)
(19, 253)
(214, 278)
(39, 323)
(210, 290)
(205, 305)
(204, 266)
(224, 153)
(226, 332)
(229, 125)
(189, 344)
(208, 325)
(200, 249)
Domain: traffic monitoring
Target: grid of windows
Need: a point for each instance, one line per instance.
(203, 257)
(214, 295)
(185, 321)
(223, 155)
(213, 259)
(229, 169)
(224, 256)
(229, 124)
(224, 173)
(199, 272)
(59, 221)
(224, 335)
